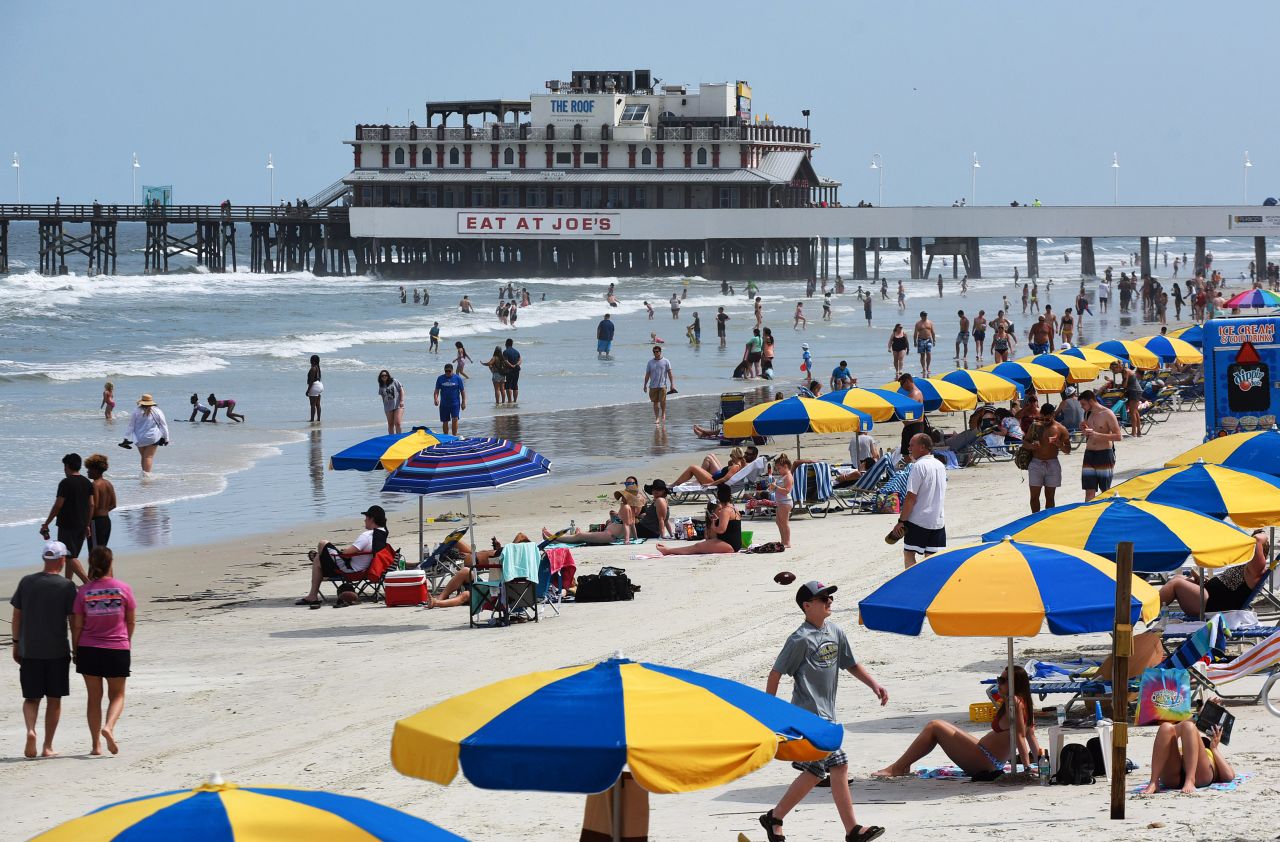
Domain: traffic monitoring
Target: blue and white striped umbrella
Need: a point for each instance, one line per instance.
(465, 465)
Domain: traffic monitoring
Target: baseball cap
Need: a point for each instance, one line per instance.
(804, 346)
(813, 590)
(54, 549)
(375, 512)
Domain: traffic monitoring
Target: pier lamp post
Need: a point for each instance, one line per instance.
(17, 175)
(973, 180)
(1247, 164)
(877, 163)
(1115, 171)
(271, 181)
(134, 170)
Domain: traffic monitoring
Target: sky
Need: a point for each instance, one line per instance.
(1043, 93)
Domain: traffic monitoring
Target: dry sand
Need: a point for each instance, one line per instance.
(230, 676)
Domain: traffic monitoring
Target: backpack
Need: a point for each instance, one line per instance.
(1075, 765)
(1095, 751)
(612, 584)
(1022, 459)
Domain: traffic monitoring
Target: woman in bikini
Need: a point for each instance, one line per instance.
(1197, 762)
(978, 756)
(108, 405)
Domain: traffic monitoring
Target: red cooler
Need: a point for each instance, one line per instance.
(405, 587)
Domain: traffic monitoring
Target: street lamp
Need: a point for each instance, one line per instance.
(17, 175)
(877, 163)
(271, 177)
(973, 180)
(805, 114)
(1247, 165)
(1115, 170)
(134, 170)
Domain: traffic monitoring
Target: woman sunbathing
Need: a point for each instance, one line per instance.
(978, 756)
(724, 528)
(711, 472)
(1228, 591)
(456, 590)
(1185, 759)
(652, 522)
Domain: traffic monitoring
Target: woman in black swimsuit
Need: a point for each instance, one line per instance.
(1228, 591)
(724, 529)
(898, 346)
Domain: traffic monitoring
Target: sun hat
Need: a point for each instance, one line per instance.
(146, 400)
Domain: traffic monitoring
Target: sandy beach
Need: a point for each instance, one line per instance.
(230, 677)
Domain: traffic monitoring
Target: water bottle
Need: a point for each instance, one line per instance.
(1043, 767)
(1097, 712)
(573, 526)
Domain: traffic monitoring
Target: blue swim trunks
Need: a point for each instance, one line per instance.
(924, 346)
(1039, 347)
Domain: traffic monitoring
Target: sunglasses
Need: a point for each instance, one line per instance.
(631, 482)
(829, 598)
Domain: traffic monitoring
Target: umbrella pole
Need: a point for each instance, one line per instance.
(471, 533)
(1010, 695)
(417, 561)
(1200, 571)
(797, 445)
(617, 810)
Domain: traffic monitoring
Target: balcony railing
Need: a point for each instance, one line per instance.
(509, 132)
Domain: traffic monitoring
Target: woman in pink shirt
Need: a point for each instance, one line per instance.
(102, 623)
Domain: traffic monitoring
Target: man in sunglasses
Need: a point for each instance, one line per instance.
(813, 656)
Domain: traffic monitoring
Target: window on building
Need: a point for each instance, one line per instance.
(453, 156)
(728, 197)
(508, 156)
(535, 197)
(701, 157)
(591, 159)
(450, 197)
(560, 197)
(591, 197)
(642, 198)
(564, 159)
(366, 196)
(646, 157)
(617, 197)
(399, 157)
(426, 155)
(635, 113)
(480, 197)
(508, 197)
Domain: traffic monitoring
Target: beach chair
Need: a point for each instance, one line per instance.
(556, 573)
(439, 565)
(812, 490)
(1263, 658)
(367, 583)
(514, 594)
(860, 496)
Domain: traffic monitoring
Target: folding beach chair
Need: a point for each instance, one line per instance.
(1262, 658)
(812, 489)
(859, 496)
(514, 594)
(440, 564)
(367, 583)
(556, 573)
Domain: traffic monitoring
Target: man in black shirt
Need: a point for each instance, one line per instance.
(72, 508)
(42, 606)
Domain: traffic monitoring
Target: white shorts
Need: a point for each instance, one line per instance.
(315, 390)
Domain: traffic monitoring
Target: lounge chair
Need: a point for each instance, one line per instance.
(513, 595)
(556, 573)
(368, 582)
(859, 496)
(438, 564)
(1262, 658)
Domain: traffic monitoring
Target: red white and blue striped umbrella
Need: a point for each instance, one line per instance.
(465, 465)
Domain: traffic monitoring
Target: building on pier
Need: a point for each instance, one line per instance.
(578, 180)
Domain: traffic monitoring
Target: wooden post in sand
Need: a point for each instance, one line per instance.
(1121, 649)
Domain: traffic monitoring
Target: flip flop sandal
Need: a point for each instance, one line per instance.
(311, 555)
(312, 602)
(864, 833)
(768, 822)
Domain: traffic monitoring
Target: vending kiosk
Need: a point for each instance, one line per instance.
(1239, 391)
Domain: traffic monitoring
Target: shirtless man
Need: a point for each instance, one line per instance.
(962, 338)
(465, 305)
(1101, 429)
(925, 338)
(1052, 321)
(1045, 470)
(979, 333)
(1038, 336)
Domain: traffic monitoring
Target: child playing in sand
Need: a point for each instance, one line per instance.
(108, 404)
(229, 404)
(196, 406)
(460, 361)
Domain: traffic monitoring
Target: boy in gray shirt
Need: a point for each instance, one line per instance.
(813, 656)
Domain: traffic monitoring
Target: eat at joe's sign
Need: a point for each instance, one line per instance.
(539, 224)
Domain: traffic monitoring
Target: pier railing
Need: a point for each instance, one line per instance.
(170, 213)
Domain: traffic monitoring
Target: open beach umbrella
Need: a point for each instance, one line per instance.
(939, 395)
(988, 387)
(386, 453)
(219, 811)
(676, 730)
(1193, 335)
(464, 465)
(1257, 451)
(1129, 351)
(1090, 355)
(1171, 349)
(1255, 298)
(1249, 498)
(1006, 589)
(1073, 369)
(880, 404)
(1163, 535)
(794, 416)
(1026, 375)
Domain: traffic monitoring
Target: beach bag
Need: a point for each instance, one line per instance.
(1022, 459)
(611, 584)
(766, 547)
(1095, 752)
(888, 504)
(1075, 766)
(1164, 695)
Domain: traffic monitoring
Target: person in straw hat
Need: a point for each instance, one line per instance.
(148, 429)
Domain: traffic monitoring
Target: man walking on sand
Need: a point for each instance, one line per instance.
(72, 508)
(813, 656)
(42, 606)
(658, 379)
(925, 338)
(1046, 439)
(921, 521)
(1101, 430)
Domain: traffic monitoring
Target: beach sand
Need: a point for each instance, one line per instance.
(231, 677)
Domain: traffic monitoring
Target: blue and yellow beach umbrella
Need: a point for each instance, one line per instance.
(1090, 355)
(985, 385)
(938, 394)
(1073, 369)
(1171, 349)
(1249, 498)
(574, 729)
(1257, 451)
(223, 812)
(386, 453)
(880, 404)
(1129, 351)
(1163, 535)
(1005, 589)
(1193, 335)
(1027, 375)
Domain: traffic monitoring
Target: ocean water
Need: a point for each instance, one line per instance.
(249, 337)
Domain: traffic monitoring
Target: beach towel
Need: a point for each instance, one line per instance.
(1227, 786)
(520, 561)
(560, 559)
(558, 545)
